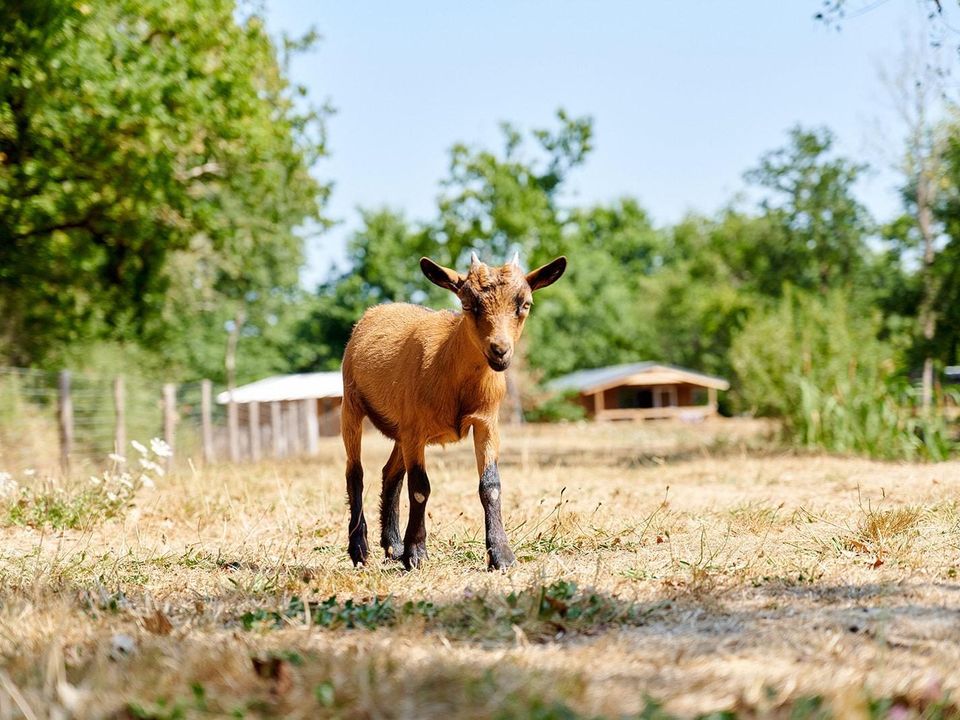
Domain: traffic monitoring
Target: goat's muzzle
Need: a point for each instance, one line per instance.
(499, 356)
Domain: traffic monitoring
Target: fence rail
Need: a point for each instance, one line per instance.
(75, 420)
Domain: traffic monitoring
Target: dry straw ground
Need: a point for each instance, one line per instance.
(663, 569)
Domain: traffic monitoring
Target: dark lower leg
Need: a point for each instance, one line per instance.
(415, 539)
(393, 472)
(499, 554)
(357, 546)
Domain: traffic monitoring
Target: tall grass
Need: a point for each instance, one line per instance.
(819, 366)
(878, 419)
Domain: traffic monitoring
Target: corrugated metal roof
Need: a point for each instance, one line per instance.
(288, 387)
(582, 379)
(585, 380)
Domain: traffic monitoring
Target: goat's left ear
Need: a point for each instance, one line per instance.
(547, 274)
(440, 275)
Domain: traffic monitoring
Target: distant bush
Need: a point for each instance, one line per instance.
(556, 408)
(820, 367)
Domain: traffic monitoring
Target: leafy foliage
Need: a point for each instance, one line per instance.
(156, 188)
(823, 370)
(819, 227)
(130, 135)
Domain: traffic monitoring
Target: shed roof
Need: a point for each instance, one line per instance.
(640, 373)
(288, 387)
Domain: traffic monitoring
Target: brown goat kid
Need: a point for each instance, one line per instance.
(425, 377)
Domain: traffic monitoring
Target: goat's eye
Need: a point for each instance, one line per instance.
(523, 308)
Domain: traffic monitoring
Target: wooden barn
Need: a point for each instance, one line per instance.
(324, 387)
(293, 394)
(643, 391)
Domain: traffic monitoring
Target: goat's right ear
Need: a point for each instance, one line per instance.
(439, 275)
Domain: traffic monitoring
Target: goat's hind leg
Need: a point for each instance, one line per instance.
(393, 471)
(351, 429)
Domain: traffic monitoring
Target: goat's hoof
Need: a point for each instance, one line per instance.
(500, 558)
(414, 556)
(358, 551)
(393, 551)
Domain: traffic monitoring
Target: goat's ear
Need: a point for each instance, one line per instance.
(547, 274)
(439, 275)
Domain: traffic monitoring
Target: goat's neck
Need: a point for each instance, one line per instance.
(466, 356)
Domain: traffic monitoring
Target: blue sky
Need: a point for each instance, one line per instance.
(685, 96)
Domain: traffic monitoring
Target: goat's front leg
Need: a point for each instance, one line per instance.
(418, 488)
(486, 441)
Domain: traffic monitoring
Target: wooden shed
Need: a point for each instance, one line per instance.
(326, 388)
(643, 391)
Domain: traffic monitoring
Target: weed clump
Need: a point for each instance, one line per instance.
(47, 502)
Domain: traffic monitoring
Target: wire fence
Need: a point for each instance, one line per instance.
(72, 422)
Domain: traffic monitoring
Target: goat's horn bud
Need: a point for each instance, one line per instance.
(516, 258)
(474, 260)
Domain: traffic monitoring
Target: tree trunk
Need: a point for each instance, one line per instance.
(928, 317)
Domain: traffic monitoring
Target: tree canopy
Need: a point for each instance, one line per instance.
(158, 178)
(154, 163)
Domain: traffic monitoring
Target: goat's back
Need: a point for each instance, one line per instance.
(391, 355)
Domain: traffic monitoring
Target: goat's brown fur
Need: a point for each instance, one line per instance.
(425, 377)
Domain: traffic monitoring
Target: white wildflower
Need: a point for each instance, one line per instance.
(29, 472)
(148, 464)
(126, 483)
(94, 480)
(117, 457)
(139, 447)
(8, 486)
(160, 448)
(111, 496)
(147, 482)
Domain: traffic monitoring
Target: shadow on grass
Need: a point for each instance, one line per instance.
(287, 674)
(354, 685)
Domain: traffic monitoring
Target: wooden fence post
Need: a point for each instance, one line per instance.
(276, 429)
(120, 416)
(311, 425)
(294, 445)
(206, 420)
(233, 429)
(253, 420)
(170, 419)
(65, 416)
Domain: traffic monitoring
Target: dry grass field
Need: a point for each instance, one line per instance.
(664, 570)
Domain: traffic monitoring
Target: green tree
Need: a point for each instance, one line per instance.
(383, 266)
(495, 204)
(129, 134)
(491, 203)
(819, 228)
(601, 313)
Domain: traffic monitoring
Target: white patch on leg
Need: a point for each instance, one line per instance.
(494, 494)
(420, 497)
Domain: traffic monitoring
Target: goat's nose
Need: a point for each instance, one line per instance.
(499, 350)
